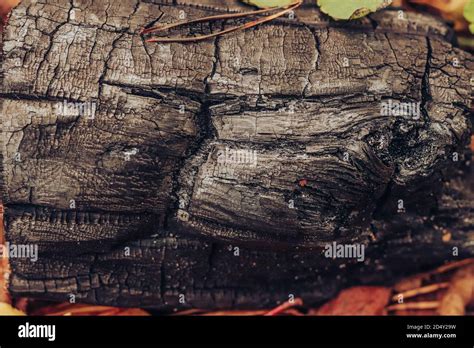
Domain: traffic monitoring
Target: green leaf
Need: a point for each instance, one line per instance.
(469, 14)
(351, 9)
(269, 3)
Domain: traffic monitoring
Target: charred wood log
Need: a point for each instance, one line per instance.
(217, 174)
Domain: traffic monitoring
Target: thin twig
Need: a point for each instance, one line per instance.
(205, 19)
(414, 305)
(421, 291)
(287, 9)
(284, 306)
(453, 265)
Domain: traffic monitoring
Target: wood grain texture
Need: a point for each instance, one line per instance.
(183, 152)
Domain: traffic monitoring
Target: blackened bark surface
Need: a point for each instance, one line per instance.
(183, 152)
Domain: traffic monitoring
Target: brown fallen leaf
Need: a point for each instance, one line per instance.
(460, 293)
(5, 6)
(7, 310)
(397, 3)
(359, 300)
(450, 10)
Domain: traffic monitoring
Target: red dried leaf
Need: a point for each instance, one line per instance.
(359, 300)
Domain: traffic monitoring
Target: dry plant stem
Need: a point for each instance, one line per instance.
(188, 312)
(414, 305)
(227, 31)
(293, 312)
(444, 269)
(67, 309)
(82, 310)
(421, 291)
(453, 265)
(206, 19)
(283, 307)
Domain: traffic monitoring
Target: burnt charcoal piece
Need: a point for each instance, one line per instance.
(220, 172)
